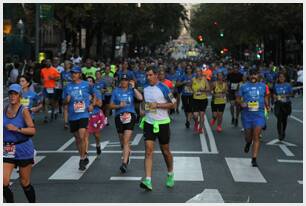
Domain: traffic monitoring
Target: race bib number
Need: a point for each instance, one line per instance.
(25, 102)
(9, 151)
(253, 106)
(234, 86)
(188, 90)
(282, 98)
(125, 118)
(50, 90)
(79, 107)
(148, 108)
(198, 93)
(109, 89)
(219, 100)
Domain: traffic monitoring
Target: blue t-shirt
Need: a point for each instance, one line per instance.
(140, 78)
(66, 77)
(219, 70)
(254, 96)
(119, 95)
(80, 99)
(187, 91)
(30, 99)
(283, 89)
(98, 94)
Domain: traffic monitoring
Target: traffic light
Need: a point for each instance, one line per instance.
(200, 38)
(216, 23)
(258, 56)
(221, 34)
(225, 49)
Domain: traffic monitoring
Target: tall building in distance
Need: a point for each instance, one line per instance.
(185, 36)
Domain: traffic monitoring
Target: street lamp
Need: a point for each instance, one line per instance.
(20, 26)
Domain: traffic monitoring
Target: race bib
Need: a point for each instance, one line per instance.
(9, 150)
(148, 108)
(171, 97)
(219, 100)
(198, 93)
(109, 89)
(125, 118)
(282, 98)
(253, 106)
(188, 90)
(79, 107)
(50, 90)
(234, 86)
(25, 102)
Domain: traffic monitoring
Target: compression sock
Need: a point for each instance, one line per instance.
(30, 193)
(8, 194)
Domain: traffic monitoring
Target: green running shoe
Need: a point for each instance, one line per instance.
(146, 184)
(170, 180)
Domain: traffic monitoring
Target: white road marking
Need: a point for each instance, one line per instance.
(126, 178)
(278, 142)
(204, 143)
(114, 143)
(286, 150)
(37, 159)
(116, 152)
(300, 182)
(137, 139)
(290, 161)
(102, 144)
(207, 196)
(70, 169)
(67, 144)
(242, 170)
(297, 110)
(297, 119)
(137, 157)
(211, 137)
(187, 169)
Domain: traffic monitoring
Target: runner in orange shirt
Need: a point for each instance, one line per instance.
(207, 72)
(49, 75)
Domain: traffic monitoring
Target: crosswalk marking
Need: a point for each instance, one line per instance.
(67, 144)
(70, 169)
(242, 171)
(300, 182)
(290, 161)
(278, 142)
(213, 146)
(286, 150)
(126, 178)
(37, 159)
(102, 144)
(204, 143)
(207, 196)
(187, 169)
(137, 139)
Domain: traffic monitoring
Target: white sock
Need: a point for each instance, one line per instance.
(170, 173)
(148, 178)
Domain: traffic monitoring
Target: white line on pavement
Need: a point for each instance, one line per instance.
(102, 144)
(126, 178)
(290, 161)
(67, 144)
(278, 142)
(242, 170)
(300, 182)
(213, 147)
(70, 169)
(187, 169)
(207, 196)
(297, 119)
(204, 143)
(116, 152)
(137, 139)
(286, 150)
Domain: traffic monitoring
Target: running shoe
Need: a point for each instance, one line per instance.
(200, 130)
(123, 168)
(219, 128)
(146, 184)
(212, 122)
(242, 130)
(254, 163)
(86, 161)
(187, 124)
(98, 150)
(196, 126)
(82, 165)
(66, 126)
(170, 180)
(247, 147)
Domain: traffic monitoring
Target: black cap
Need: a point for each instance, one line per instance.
(124, 76)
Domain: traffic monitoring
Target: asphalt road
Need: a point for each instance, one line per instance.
(208, 168)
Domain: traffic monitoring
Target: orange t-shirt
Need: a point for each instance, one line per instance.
(207, 73)
(46, 73)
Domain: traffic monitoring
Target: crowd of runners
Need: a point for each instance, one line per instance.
(144, 92)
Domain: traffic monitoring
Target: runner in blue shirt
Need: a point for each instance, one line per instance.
(97, 120)
(187, 93)
(253, 98)
(124, 70)
(175, 78)
(77, 96)
(122, 101)
(282, 93)
(29, 99)
(66, 78)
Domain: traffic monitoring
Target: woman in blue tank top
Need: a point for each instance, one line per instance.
(18, 148)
